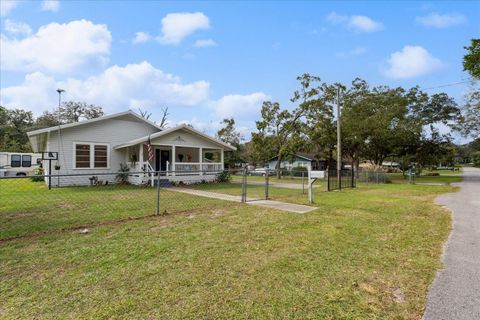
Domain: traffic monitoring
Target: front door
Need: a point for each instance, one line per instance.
(157, 159)
(165, 156)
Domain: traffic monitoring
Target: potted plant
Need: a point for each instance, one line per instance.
(57, 166)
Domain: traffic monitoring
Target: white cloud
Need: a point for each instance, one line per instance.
(239, 106)
(141, 37)
(411, 61)
(437, 20)
(50, 5)
(58, 48)
(13, 27)
(203, 43)
(355, 22)
(6, 6)
(115, 89)
(177, 26)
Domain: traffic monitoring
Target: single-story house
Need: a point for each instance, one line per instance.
(100, 145)
(299, 160)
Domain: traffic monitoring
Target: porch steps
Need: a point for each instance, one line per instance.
(164, 183)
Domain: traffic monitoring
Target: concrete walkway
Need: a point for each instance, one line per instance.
(291, 207)
(288, 185)
(455, 293)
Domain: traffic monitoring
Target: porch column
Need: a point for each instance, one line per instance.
(174, 156)
(221, 159)
(200, 158)
(140, 156)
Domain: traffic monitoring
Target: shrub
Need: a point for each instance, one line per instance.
(38, 175)
(122, 175)
(224, 176)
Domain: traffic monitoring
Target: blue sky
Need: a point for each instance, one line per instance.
(210, 60)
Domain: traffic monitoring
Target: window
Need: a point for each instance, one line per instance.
(26, 161)
(91, 155)
(100, 157)
(82, 156)
(15, 160)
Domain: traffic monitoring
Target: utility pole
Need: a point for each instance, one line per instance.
(339, 142)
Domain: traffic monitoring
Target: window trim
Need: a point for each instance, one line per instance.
(27, 155)
(92, 155)
(19, 161)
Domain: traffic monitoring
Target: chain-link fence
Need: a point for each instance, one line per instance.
(27, 206)
(372, 177)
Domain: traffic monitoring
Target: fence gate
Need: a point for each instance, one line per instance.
(346, 179)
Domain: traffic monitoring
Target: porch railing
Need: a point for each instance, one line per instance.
(195, 168)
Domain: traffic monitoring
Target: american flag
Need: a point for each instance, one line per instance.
(150, 150)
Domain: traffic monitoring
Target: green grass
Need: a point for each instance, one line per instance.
(220, 260)
(442, 179)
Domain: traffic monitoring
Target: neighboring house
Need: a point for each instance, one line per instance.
(100, 145)
(300, 160)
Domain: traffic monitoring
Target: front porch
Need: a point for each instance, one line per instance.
(175, 163)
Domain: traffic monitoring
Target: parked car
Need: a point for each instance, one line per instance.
(19, 164)
(261, 172)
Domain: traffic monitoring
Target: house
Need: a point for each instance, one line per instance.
(100, 145)
(299, 160)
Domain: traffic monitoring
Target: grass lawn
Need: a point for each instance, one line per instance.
(346, 260)
(443, 178)
(285, 179)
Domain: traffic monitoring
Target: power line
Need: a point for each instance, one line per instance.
(450, 84)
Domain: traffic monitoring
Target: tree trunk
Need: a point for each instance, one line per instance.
(277, 167)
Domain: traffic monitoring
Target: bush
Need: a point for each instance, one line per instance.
(122, 175)
(38, 175)
(224, 176)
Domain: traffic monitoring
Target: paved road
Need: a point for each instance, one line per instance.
(455, 293)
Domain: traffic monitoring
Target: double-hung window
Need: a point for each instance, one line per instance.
(26, 161)
(91, 155)
(16, 161)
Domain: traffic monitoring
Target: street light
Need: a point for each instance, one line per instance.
(60, 91)
(57, 166)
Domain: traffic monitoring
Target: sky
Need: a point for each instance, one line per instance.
(206, 61)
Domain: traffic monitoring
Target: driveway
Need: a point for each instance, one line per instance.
(455, 293)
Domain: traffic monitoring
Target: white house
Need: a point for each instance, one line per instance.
(100, 145)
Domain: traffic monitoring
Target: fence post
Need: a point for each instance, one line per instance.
(328, 179)
(303, 182)
(339, 175)
(266, 183)
(158, 194)
(244, 184)
(353, 177)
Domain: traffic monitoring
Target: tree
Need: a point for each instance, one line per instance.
(73, 111)
(164, 120)
(471, 60)
(469, 124)
(316, 101)
(13, 127)
(46, 120)
(144, 114)
(230, 135)
(279, 131)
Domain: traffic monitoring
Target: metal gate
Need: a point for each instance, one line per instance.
(335, 181)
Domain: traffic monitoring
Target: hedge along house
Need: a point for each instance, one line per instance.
(101, 145)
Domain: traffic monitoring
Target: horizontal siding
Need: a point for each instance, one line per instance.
(111, 131)
(184, 138)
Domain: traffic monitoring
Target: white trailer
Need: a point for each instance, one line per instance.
(15, 164)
